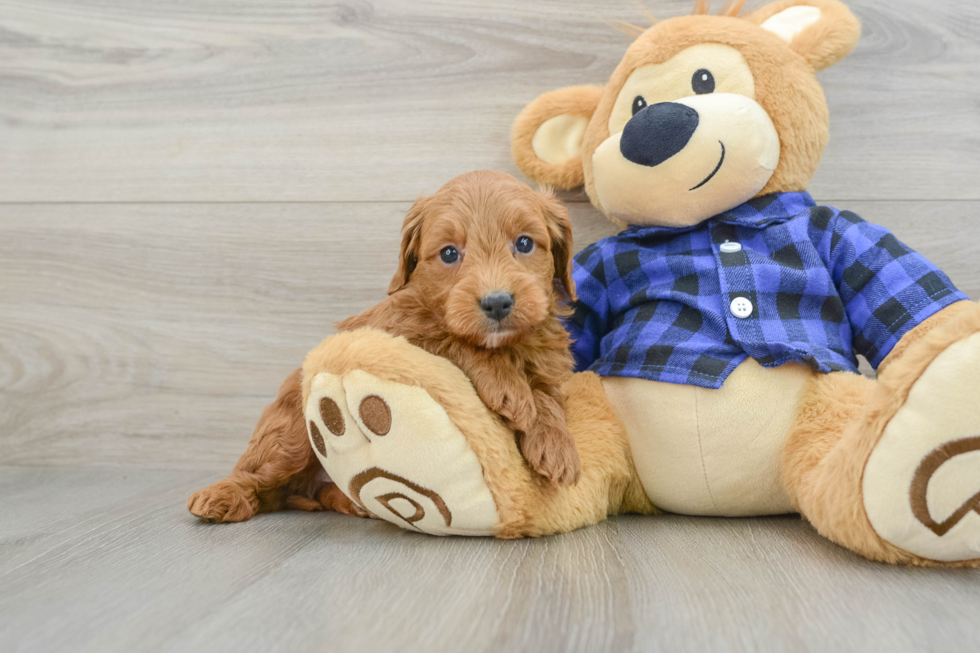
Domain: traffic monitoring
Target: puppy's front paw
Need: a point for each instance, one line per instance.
(516, 405)
(224, 501)
(520, 409)
(551, 452)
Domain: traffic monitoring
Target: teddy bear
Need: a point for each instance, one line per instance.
(725, 318)
(715, 336)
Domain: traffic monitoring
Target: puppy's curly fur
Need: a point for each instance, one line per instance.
(517, 364)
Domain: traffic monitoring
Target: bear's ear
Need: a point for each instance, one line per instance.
(822, 31)
(546, 140)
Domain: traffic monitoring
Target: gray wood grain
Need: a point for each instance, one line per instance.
(191, 193)
(365, 101)
(154, 334)
(128, 569)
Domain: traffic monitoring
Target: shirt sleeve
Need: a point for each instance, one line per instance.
(886, 287)
(587, 324)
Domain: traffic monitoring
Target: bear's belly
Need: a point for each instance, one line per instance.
(718, 452)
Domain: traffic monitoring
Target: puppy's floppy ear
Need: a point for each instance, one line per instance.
(560, 231)
(546, 139)
(821, 31)
(408, 257)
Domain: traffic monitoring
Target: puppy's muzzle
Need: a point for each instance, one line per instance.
(497, 305)
(658, 132)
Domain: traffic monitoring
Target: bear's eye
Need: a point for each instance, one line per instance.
(524, 244)
(638, 103)
(449, 254)
(703, 82)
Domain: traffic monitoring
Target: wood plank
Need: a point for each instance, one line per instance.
(153, 335)
(134, 571)
(43, 507)
(366, 101)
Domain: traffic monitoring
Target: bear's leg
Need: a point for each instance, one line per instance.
(380, 418)
(405, 436)
(891, 469)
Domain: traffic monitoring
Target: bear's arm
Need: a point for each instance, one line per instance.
(887, 288)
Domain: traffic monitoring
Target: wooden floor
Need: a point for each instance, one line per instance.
(191, 193)
(107, 560)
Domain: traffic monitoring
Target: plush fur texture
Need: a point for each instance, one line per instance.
(839, 425)
(840, 418)
(785, 86)
(573, 101)
(527, 504)
(702, 451)
(828, 40)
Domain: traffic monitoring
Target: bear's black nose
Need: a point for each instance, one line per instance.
(658, 132)
(497, 305)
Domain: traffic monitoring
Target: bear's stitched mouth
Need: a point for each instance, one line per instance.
(715, 171)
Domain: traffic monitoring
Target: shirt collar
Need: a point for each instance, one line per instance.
(757, 212)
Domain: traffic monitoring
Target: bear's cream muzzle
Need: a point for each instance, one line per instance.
(694, 159)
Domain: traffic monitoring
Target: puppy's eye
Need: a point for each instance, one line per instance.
(524, 244)
(449, 255)
(638, 103)
(703, 82)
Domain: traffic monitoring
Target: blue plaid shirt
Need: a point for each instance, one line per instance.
(655, 302)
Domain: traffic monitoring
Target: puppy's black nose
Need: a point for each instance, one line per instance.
(497, 305)
(658, 132)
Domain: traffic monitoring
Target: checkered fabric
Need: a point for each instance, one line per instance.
(655, 302)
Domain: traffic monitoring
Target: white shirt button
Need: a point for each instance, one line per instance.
(741, 307)
(730, 247)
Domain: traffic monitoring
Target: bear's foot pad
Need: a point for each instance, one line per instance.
(922, 480)
(393, 450)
